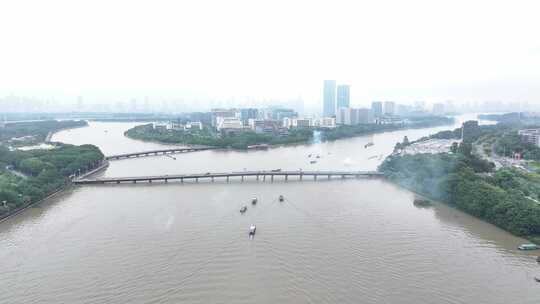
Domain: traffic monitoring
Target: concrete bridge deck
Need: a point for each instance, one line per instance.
(227, 175)
(157, 152)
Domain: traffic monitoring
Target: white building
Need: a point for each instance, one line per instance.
(194, 125)
(327, 122)
(531, 136)
(228, 123)
(353, 116)
(301, 122)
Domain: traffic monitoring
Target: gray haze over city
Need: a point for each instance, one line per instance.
(171, 56)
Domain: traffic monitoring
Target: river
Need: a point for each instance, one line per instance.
(338, 241)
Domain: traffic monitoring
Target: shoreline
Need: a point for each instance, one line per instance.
(67, 186)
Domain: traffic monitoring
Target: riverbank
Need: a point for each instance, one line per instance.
(46, 171)
(505, 198)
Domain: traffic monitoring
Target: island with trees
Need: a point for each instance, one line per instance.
(242, 140)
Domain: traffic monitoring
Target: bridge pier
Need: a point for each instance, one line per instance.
(242, 178)
(212, 179)
(301, 176)
(272, 178)
(118, 182)
(166, 180)
(196, 179)
(343, 176)
(264, 178)
(286, 177)
(227, 178)
(314, 176)
(257, 176)
(150, 181)
(182, 180)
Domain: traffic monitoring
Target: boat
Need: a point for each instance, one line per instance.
(276, 170)
(313, 162)
(281, 198)
(369, 144)
(258, 147)
(538, 259)
(254, 201)
(528, 247)
(537, 279)
(372, 157)
(309, 155)
(243, 209)
(252, 230)
(318, 156)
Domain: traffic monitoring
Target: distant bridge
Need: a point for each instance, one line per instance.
(157, 152)
(227, 175)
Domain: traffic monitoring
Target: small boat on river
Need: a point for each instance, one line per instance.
(313, 162)
(254, 201)
(243, 209)
(369, 144)
(252, 230)
(528, 247)
(537, 279)
(281, 198)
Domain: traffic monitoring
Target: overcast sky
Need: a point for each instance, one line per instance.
(401, 50)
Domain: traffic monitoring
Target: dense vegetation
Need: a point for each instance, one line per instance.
(37, 130)
(357, 130)
(507, 198)
(45, 170)
(208, 137)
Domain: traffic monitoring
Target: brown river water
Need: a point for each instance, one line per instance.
(337, 241)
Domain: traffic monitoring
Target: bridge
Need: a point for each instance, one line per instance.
(258, 175)
(157, 152)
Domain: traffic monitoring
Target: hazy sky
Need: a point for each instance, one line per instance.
(402, 50)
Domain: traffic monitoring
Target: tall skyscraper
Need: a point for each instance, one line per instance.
(329, 98)
(343, 96)
(376, 108)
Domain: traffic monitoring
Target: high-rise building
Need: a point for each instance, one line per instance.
(329, 98)
(364, 116)
(377, 108)
(389, 108)
(343, 96)
(343, 116)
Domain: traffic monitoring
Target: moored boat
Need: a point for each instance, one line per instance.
(254, 201)
(281, 198)
(243, 209)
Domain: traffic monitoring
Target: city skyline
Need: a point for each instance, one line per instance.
(401, 59)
